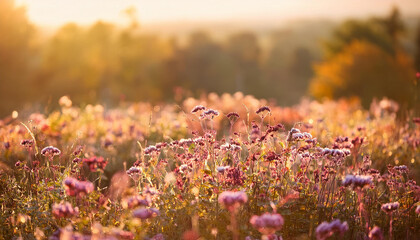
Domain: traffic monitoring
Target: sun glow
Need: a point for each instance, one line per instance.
(56, 13)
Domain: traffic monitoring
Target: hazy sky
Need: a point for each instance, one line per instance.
(57, 12)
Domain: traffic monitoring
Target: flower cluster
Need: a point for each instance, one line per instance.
(376, 234)
(230, 147)
(232, 200)
(150, 191)
(255, 132)
(134, 172)
(135, 201)
(74, 187)
(263, 109)
(145, 213)
(121, 234)
(268, 223)
(357, 181)
(50, 151)
(94, 163)
(27, 142)
(295, 135)
(209, 114)
(234, 177)
(401, 168)
(64, 210)
(67, 233)
(232, 116)
(198, 108)
(150, 149)
(390, 207)
(222, 169)
(326, 229)
(340, 153)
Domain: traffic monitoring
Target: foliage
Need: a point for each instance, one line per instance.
(363, 70)
(370, 31)
(417, 53)
(110, 63)
(365, 59)
(16, 54)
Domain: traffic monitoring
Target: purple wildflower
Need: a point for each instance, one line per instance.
(325, 229)
(267, 223)
(198, 108)
(186, 141)
(232, 200)
(27, 142)
(94, 163)
(145, 213)
(133, 171)
(135, 201)
(150, 149)
(222, 169)
(230, 147)
(357, 181)
(263, 109)
(209, 113)
(376, 234)
(390, 207)
(121, 234)
(74, 187)
(64, 210)
(401, 168)
(232, 116)
(50, 151)
(291, 133)
(341, 153)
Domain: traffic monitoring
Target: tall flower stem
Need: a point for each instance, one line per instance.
(390, 225)
(234, 225)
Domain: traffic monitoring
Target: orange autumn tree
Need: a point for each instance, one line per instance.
(364, 70)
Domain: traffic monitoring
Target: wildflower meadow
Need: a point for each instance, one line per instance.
(218, 167)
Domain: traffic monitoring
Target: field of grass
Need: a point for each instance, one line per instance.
(220, 167)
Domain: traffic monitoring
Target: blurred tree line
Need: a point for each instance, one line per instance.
(366, 59)
(106, 63)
